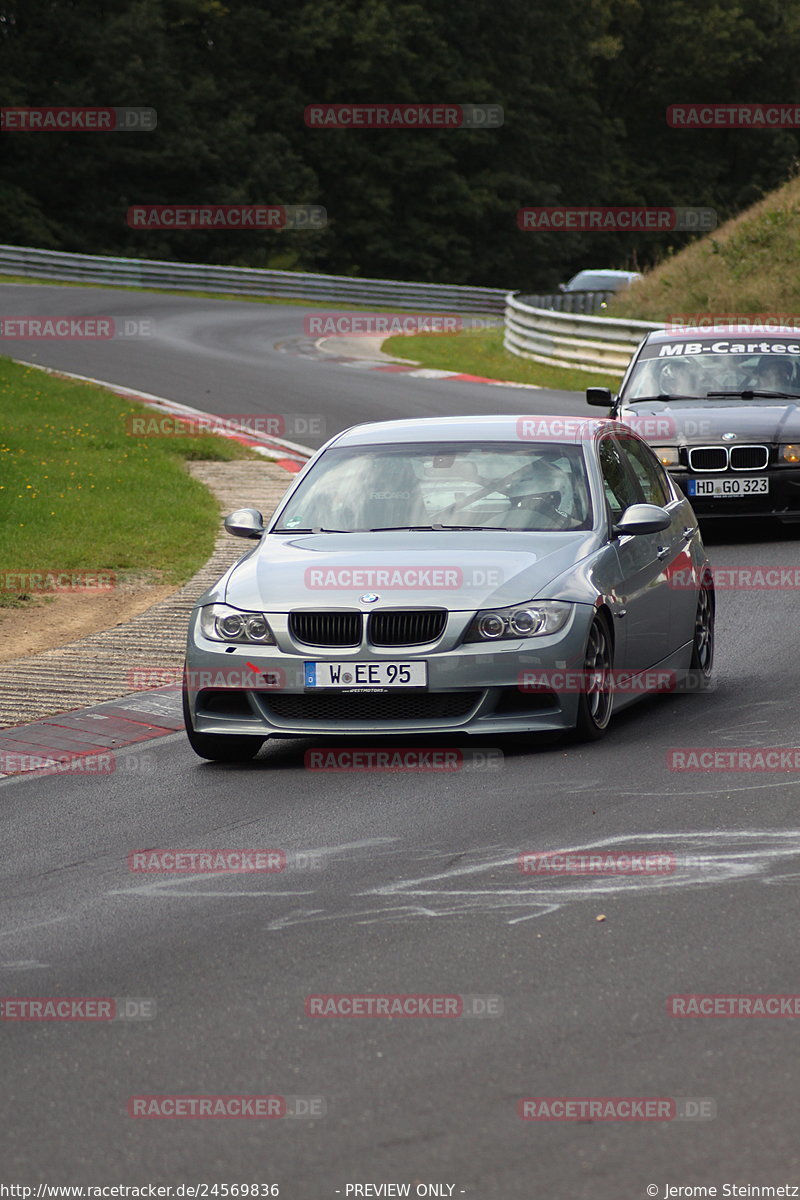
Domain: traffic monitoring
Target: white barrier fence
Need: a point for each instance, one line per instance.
(596, 344)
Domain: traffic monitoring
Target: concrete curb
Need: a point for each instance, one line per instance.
(344, 351)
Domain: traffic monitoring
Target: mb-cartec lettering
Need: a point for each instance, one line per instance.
(684, 348)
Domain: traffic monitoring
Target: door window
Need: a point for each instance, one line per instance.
(620, 485)
(648, 471)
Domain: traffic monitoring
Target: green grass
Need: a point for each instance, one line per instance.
(481, 352)
(78, 493)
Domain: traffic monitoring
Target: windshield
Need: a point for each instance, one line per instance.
(683, 370)
(534, 487)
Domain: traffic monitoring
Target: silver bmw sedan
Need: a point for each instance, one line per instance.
(454, 575)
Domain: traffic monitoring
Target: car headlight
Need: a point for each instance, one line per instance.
(666, 455)
(537, 619)
(222, 623)
(790, 453)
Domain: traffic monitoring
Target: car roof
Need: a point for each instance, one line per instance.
(551, 427)
(709, 332)
(608, 271)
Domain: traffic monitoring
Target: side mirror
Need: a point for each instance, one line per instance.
(643, 518)
(599, 396)
(245, 522)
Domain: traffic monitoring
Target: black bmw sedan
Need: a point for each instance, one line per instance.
(721, 408)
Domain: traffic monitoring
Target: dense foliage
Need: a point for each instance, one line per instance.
(584, 85)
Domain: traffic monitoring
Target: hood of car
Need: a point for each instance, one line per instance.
(457, 570)
(687, 424)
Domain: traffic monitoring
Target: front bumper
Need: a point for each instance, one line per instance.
(782, 499)
(472, 689)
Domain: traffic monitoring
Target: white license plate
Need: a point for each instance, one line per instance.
(728, 487)
(366, 674)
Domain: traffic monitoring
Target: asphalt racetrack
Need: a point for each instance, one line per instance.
(407, 882)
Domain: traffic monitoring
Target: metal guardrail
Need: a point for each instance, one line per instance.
(589, 303)
(596, 344)
(247, 281)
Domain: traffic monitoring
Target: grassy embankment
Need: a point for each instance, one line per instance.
(749, 266)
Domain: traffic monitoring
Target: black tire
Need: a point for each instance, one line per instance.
(595, 702)
(220, 747)
(702, 661)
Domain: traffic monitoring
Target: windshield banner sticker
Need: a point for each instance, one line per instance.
(724, 346)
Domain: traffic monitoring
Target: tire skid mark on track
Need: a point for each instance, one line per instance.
(703, 859)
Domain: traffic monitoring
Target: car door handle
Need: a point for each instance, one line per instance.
(689, 531)
(663, 551)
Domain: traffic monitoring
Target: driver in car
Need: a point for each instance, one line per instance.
(542, 499)
(775, 375)
(678, 379)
